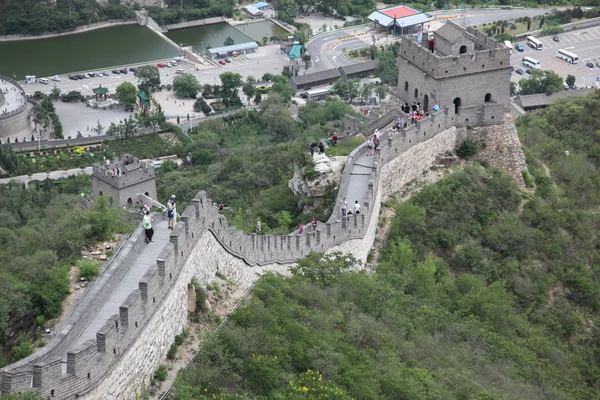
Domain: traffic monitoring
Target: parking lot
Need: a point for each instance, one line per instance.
(584, 43)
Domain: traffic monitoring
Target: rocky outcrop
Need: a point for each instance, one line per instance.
(328, 172)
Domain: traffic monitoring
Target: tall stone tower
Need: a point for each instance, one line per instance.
(123, 178)
(461, 69)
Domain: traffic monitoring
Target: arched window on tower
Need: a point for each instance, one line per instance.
(463, 49)
(457, 103)
(488, 97)
(416, 93)
(406, 86)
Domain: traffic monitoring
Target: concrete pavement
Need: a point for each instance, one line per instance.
(43, 176)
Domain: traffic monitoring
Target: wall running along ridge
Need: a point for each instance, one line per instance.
(132, 343)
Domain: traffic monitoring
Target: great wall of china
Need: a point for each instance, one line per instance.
(131, 344)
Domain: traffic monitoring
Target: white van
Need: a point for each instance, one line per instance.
(179, 71)
(45, 81)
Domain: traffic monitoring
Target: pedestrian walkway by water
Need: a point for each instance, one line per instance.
(129, 282)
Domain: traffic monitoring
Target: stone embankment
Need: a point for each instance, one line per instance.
(131, 344)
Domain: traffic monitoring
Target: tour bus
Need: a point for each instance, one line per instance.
(534, 43)
(531, 63)
(508, 44)
(567, 56)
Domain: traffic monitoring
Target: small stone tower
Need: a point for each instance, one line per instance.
(460, 69)
(123, 178)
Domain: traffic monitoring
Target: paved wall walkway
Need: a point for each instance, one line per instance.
(129, 283)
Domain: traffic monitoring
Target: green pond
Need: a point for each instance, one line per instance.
(199, 37)
(93, 50)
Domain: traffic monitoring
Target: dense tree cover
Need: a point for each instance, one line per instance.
(472, 299)
(191, 10)
(246, 160)
(35, 17)
(42, 231)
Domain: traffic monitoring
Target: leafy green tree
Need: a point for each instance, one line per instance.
(284, 90)
(230, 82)
(306, 59)
(341, 88)
(127, 95)
(570, 80)
(248, 88)
(55, 93)
(541, 81)
(128, 127)
(228, 41)
(324, 268)
(387, 69)
(257, 98)
(99, 128)
(353, 89)
(148, 76)
(265, 40)
(467, 149)
(513, 89)
(186, 85)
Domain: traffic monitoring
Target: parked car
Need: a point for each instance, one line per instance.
(133, 69)
(589, 64)
(169, 65)
(73, 77)
(123, 70)
(598, 64)
(519, 71)
(81, 76)
(55, 78)
(555, 38)
(228, 60)
(160, 65)
(222, 62)
(528, 71)
(116, 71)
(519, 47)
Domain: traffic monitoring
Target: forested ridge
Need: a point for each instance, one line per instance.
(482, 291)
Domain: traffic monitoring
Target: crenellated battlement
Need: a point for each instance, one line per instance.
(446, 66)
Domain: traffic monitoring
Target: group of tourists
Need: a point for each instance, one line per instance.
(171, 211)
(414, 112)
(344, 208)
(373, 143)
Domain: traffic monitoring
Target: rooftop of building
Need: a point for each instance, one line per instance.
(100, 90)
(405, 16)
(253, 10)
(261, 4)
(295, 52)
(358, 68)
(542, 100)
(452, 32)
(234, 47)
(316, 76)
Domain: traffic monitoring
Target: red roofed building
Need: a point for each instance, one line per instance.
(399, 19)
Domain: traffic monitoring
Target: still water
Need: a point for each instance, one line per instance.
(199, 37)
(258, 30)
(93, 50)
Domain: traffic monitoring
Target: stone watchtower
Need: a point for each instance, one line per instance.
(461, 69)
(123, 178)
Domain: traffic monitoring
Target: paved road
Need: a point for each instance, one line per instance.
(42, 175)
(585, 43)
